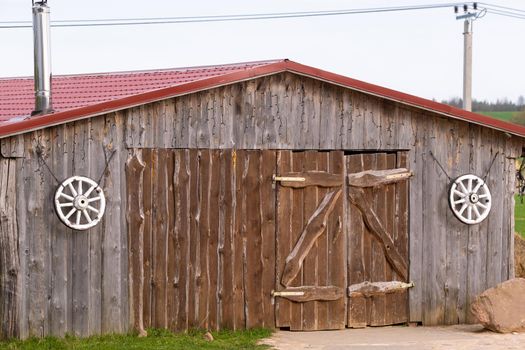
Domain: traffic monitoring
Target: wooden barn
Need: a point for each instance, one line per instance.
(263, 194)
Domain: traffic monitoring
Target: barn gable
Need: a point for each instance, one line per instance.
(449, 262)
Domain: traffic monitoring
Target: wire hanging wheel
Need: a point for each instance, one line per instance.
(80, 203)
(470, 199)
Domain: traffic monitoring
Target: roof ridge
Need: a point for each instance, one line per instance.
(155, 70)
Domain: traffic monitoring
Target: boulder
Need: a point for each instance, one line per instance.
(502, 308)
(519, 256)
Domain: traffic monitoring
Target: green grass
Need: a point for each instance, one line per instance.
(156, 339)
(506, 116)
(519, 216)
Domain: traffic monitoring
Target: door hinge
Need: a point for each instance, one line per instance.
(287, 294)
(288, 178)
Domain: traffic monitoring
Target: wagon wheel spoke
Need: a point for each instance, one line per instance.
(78, 217)
(86, 215)
(79, 191)
(69, 198)
(72, 189)
(88, 192)
(70, 213)
(93, 209)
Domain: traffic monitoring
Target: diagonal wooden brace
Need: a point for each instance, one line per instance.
(314, 228)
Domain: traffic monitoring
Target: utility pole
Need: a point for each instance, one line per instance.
(468, 18)
(467, 66)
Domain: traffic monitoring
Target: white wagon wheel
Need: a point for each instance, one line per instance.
(470, 199)
(80, 202)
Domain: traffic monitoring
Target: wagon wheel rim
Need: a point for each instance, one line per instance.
(470, 199)
(80, 203)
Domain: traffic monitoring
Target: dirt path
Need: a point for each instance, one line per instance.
(463, 337)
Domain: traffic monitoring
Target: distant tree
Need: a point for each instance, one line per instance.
(521, 102)
(501, 105)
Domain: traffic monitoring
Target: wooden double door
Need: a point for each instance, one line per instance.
(341, 240)
(261, 238)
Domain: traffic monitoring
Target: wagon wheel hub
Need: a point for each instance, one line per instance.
(79, 203)
(470, 199)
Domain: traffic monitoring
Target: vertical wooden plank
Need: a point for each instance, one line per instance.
(357, 268)
(225, 292)
(96, 234)
(60, 236)
(21, 205)
(297, 225)
(9, 259)
(369, 162)
(417, 165)
(247, 109)
(159, 240)
(267, 166)
(201, 269)
(172, 248)
(253, 242)
(227, 117)
(378, 197)
(495, 180)
(309, 269)
(435, 205)
(392, 301)
(372, 129)
(183, 217)
(328, 128)
(336, 250)
(149, 176)
(134, 180)
(114, 244)
(39, 242)
(80, 242)
(239, 230)
(193, 257)
(283, 239)
(457, 164)
(356, 107)
(400, 221)
(477, 241)
(213, 249)
(323, 246)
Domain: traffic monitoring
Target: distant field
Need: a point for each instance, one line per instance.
(507, 116)
(519, 216)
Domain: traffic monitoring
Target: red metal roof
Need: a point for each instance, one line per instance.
(82, 96)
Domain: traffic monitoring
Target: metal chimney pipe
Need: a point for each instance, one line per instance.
(42, 56)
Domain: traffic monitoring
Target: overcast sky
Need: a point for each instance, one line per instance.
(418, 52)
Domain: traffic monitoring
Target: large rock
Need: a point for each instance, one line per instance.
(502, 308)
(519, 256)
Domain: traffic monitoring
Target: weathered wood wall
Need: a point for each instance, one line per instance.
(70, 282)
(77, 282)
(202, 238)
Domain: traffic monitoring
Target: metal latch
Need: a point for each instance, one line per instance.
(288, 178)
(287, 294)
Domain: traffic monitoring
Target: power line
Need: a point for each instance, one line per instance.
(221, 18)
(502, 7)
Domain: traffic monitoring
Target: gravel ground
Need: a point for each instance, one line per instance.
(462, 337)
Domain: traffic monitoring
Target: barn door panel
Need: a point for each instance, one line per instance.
(310, 276)
(377, 239)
